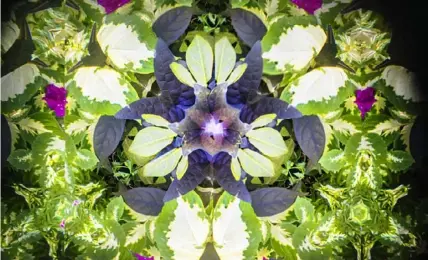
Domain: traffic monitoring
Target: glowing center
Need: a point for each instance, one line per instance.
(213, 127)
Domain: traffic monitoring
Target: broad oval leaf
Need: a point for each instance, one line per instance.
(319, 91)
(9, 33)
(182, 228)
(236, 229)
(225, 59)
(248, 26)
(403, 83)
(199, 59)
(146, 201)
(163, 165)
(267, 202)
(263, 120)
(182, 74)
(151, 140)
(107, 135)
(310, 136)
(101, 90)
(128, 41)
(172, 24)
(268, 141)
(255, 164)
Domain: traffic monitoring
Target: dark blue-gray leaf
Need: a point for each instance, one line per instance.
(248, 26)
(107, 135)
(271, 201)
(249, 82)
(224, 177)
(196, 172)
(262, 105)
(172, 24)
(310, 135)
(418, 139)
(147, 201)
(6, 140)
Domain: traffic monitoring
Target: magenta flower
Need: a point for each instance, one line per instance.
(62, 224)
(365, 100)
(140, 257)
(55, 98)
(310, 6)
(111, 5)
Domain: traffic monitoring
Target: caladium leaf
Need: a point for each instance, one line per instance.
(146, 201)
(199, 59)
(151, 140)
(268, 141)
(6, 140)
(107, 135)
(128, 41)
(182, 228)
(163, 164)
(249, 82)
(255, 164)
(236, 229)
(271, 201)
(225, 59)
(248, 26)
(310, 135)
(261, 105)
(320, 91)
(198, 169)
(172, 24)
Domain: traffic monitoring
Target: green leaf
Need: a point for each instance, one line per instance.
(86, 160)
(369, 143)
(115, 208)
(236, 228)
(399, 160)
(155, 120)
(21, 159)
(235, 167)
(182, 167)
(182, 74)
(182, 228)
(39, 123)
(263, 120)
(268, 141)
(304, 210)
(151, 140)
(255, 164)
(333, 160)
(225, 59)
(199, 58)
(319, 91)
(162, 165)
(237, 73)
(282, 243)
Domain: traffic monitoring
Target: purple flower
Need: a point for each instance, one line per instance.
(76, 202)
(140, 257)
(55, 98)
(310, 6)
(111, 5)
(62, 224)
(365, 100)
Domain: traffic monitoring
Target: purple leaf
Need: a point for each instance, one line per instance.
(111, 5)
(107, 135)
(248, 26)
(310, 135)
(271, 201)
(56, 99)
(172, 24)
(147, 201)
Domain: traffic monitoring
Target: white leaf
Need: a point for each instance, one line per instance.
(15, 82)
(403, 82)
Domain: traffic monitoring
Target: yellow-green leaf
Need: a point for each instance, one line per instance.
(155, 120)
(163, 165)
(182, 74)
(225, 59)
(263, 120)
(235, 168)
(199, 58)
(182, 167)
(255, 164)
(268, 141)
(151, 140)
(237, 73)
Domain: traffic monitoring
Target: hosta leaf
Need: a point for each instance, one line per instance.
(182, 74)
(146, 201)
(19, 86)
(237, 73)
(199, 58)
(163, 164)
(310, 136)
(268, 141)
(319, 91)
(255, 164)
(291, 44)
(304, 210)
(236, 229)
(107, 135)
(248, 26)
(128, 41)
(21, 159)
(271, 201)
(182, 228)
(225, 59)
(399, 160)
(101, 90)
(172, 24)
(333, 160)
(115, 208)
(86, 160)
(151, 140)
(263, 120)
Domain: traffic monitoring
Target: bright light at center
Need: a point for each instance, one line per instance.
(213, 127)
